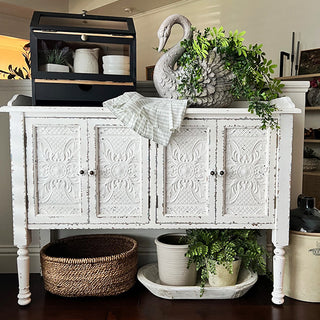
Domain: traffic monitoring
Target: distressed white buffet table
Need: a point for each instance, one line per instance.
(78, 167)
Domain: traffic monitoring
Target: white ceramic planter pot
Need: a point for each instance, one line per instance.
(52, 67)
(172, 262)
(223, 278)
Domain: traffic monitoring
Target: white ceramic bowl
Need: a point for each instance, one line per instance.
(110, 59)
(116, 66)
(116, 69)
(118, 72)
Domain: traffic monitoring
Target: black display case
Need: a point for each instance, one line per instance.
(68, 39)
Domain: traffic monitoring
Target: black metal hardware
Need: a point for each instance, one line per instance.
(282, 55)
(212, 173)
(221, 173)
(81, 171)
(91, 172)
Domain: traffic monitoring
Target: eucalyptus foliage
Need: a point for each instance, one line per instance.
(207, 248)
(249, 65)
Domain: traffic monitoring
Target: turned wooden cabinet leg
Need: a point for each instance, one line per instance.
(23, 264)
(278, 269)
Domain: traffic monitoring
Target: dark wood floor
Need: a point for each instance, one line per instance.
(139, 303)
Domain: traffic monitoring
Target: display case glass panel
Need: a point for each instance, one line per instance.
(83, 23)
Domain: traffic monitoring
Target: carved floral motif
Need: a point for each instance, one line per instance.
(57, 160)
(186, 182)
(119, 173)
(247, 171)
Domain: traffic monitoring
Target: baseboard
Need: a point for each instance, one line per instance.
(8, 258)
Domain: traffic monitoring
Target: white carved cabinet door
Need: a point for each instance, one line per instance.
(246, 163)
(119, 165)
(186, 175)
(56, 157)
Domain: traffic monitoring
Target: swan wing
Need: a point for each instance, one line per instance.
(216, 82)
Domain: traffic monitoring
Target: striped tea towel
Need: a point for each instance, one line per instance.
(152, 118)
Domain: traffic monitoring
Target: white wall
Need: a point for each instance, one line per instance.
(14, 26)
(15, 15)
(270, 22)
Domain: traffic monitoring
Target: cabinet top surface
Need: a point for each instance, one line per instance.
(103, 111)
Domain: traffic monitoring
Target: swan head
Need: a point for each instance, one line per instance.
(166, 26)
(164, 34)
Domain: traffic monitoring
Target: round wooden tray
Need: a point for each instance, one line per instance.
(148, 276)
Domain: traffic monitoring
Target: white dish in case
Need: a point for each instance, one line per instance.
(116, 71)
(148, 276)
(110, 59)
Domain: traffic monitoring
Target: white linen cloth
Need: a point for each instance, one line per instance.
(152, 118)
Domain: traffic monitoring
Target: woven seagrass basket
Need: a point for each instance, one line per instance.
(90, 265)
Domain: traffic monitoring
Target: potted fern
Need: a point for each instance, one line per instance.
(223, 251)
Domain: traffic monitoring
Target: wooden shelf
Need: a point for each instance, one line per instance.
(312, 173)
(300, 77)
(315, 108)
(312, 140)
(88, 82)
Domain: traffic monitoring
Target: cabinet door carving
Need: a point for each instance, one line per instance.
(119, 157)
(246, 169)
(185, 186)
(56, 153)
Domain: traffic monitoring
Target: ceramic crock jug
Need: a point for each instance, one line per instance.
(86, 60)
(306, 217)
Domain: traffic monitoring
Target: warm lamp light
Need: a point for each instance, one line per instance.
(11, 53)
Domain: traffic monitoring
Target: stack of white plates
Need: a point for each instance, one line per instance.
(116, 64)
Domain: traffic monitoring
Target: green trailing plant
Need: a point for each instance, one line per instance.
(207, 248)
(252, 71)
(20, 73)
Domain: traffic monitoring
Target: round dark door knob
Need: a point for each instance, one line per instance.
(221, 173)
(81, 171)
(212, 173)
(91, 172)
